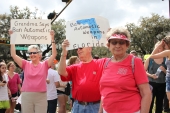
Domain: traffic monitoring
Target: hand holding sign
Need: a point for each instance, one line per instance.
(89, 31)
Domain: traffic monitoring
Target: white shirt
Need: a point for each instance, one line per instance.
(4, 89)
(53, 76)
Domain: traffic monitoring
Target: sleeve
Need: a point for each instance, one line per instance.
(23, 64)
(56, 77)
(18, 79)
(139, 72)
(46, 64)
(70, 70)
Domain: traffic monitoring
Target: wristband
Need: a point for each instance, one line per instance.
(53, 42)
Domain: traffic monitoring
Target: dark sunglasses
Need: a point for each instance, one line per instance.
(122, 42)
(30, 53)
(79, 49)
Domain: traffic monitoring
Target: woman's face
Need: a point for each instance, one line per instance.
(34, 54)
(117, 46)
(3, 68)
(12, 67)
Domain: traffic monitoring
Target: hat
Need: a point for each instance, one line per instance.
(118, 36)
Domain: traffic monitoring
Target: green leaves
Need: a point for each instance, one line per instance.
(148, 32)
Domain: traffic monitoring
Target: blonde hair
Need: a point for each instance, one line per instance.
(167, 40)
(72, 60)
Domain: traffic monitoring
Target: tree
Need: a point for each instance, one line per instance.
(147, 33)
(16, 13)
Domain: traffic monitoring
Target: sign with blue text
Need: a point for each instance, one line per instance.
(88, 31)
(30, 31)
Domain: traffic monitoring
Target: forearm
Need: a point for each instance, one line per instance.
(100, 108)
(62, 64)
(149, 75)
(13, 51)
(19, 87)
(145, 103)
(54, 52)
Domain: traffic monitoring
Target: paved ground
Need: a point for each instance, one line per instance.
(16, 111)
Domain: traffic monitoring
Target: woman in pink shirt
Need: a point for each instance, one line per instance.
(13, 85)
(123, 90)
(34, 97)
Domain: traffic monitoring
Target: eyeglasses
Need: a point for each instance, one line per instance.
(30, 53)
(121, 42)
(79, 49)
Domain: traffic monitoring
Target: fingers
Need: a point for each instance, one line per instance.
(10, 32)
(65, 43)
(52, 33)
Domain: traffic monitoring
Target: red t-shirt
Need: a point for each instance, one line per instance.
(13, 83)
(119, 86)
(85, 79)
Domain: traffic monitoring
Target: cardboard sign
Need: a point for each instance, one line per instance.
(30, 31)
(89, 31)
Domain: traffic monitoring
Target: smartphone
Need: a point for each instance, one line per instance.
(3, 81)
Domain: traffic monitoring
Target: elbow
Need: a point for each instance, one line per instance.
(62, 73)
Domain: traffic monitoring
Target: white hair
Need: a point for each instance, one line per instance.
(35, 47)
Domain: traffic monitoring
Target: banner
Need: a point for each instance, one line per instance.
(30, 31)
(89, 31)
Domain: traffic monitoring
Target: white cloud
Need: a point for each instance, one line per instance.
(118, 12)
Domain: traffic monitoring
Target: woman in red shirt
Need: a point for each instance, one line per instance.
(13, 84)
(123, 90)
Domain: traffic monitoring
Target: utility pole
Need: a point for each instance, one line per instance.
(53, 16)
(169, 8)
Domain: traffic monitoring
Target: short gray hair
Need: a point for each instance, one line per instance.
(34, 47)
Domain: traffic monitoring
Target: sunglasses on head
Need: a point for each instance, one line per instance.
(30, 53)
(121, 42)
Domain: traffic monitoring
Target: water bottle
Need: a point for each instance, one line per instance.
(158, 72)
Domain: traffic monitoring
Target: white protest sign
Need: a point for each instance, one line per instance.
(88, 31)
(30, 31)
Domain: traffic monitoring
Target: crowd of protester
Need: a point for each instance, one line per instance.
(119, 84)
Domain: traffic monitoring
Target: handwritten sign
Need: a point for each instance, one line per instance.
(89, 31)
(30, 31)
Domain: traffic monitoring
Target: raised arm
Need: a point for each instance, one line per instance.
(16, 58)
(62, 63)
(165, 53)
(54, 52)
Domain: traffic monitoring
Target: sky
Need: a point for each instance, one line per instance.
(118, 12)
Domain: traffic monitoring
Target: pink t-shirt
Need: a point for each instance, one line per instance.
(34, 76)
(119, 86)
(13, 83)
(85, 79)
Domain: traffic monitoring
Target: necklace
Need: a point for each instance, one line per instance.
(121, 58)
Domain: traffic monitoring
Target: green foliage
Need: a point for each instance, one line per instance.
(102, 52)
(147, 33)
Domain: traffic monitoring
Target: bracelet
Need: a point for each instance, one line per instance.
(53, 42)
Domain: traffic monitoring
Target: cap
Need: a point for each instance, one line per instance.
(118, 36)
